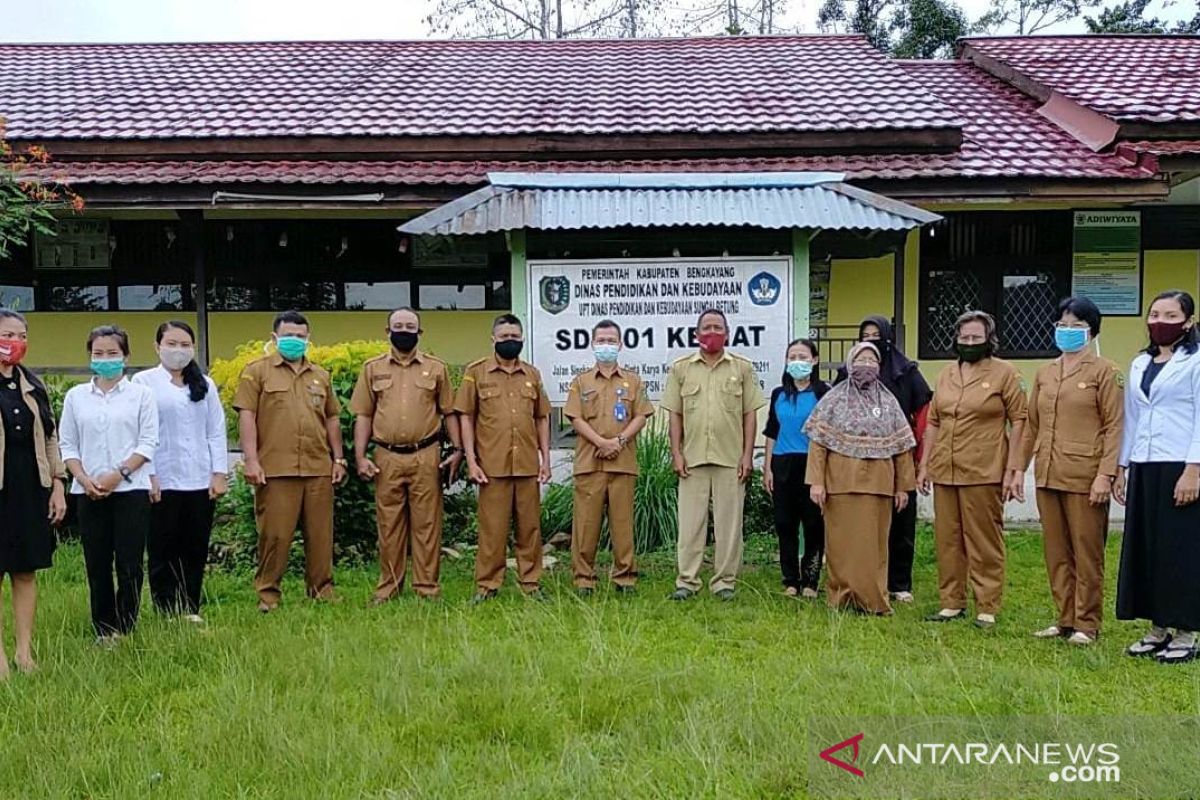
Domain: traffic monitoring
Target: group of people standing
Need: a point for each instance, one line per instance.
(842, 464)
(148, 457)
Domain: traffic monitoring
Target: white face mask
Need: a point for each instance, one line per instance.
(174, 358)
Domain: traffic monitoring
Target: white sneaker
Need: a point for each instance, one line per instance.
(903, 597)
(1081, 639)
(809, 594)
(195, 619)
(1053, 632)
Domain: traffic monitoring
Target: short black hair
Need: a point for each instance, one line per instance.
(507, 319)
(114, 331)
(291, 316)
(409, 309)
(1082, 309)
(606, 323)
(717, 311)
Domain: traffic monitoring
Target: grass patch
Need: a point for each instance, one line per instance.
(613, 696)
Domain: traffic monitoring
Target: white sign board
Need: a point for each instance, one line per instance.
(656, 302)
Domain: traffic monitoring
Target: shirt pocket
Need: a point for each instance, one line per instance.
(691, 396)
(731, 395)
(316, 394)
(275, 395)
(381, 383)
(529, 398)
(589, 403)
(489, 398)
(426, 385)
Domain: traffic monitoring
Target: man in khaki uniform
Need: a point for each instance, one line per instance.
(505, 419)
(400, 402)
(607, 407)
(1076, 415)
(713, 397)
(292, 443)
(972, 453)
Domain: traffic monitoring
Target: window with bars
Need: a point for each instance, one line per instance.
(1014, 265)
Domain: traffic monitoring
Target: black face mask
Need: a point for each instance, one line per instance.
(404, 341)
(971, 353)
(509, 349)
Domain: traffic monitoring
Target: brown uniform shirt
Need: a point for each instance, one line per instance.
(405, 397)
(290, 407)
(712, 401)
(971, 447)
(1075, 422)
(594, 397)
(841, 474)
(506, 407)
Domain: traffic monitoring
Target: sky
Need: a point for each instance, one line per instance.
(250, 20)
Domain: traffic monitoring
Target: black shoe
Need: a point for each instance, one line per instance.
(585, 591)
(937, 616)
(681, 594)
(483, 596)
(725, 595)
(623, 589)
(536, 594)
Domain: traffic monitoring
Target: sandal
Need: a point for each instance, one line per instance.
(1147, 646)
(1053, 632)
(1177, 653)
(809, 594)
(791, 591)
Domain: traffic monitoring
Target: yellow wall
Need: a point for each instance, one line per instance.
(864, 286)
(57, 339)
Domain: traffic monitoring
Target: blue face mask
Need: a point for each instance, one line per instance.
(1070, 340)
(108, 368)
(606, 353)
(799, 370)
(292, 348)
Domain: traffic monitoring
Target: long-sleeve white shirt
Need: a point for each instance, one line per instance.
(1166, 425)
(102, 429)
(192, 443)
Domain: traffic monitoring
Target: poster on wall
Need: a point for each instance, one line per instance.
(79, 244)
(1106, 261)
(656, 302)
(818, 304)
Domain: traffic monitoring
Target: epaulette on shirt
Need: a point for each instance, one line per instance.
(740, 357)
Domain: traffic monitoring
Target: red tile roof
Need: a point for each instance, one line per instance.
(1004, 137)
(1165, 147)
(1127, 78)
(442, 88)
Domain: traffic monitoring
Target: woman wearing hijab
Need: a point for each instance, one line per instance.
(860, 468)
(904, 380)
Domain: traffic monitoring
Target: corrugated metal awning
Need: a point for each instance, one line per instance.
(564, 201)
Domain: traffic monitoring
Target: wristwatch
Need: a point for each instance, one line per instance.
(621, 439)
(126, 475)
(341, 462)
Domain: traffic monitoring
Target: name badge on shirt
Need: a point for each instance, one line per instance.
(620, 414)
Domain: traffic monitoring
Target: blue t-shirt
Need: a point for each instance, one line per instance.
(792, 412)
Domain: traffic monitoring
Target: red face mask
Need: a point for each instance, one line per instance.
(12, 351)
(1164, 333)
(711, 342)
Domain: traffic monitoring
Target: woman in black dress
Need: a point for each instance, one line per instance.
(32, 474)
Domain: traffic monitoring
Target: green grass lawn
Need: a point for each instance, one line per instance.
(608, 697)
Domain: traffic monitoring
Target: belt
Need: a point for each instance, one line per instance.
(405, 449)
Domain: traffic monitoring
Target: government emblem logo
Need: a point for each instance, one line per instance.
(554, 293)
(764, 289)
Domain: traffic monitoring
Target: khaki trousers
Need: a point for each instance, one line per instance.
(721, 486)
(856, 551)
(969, 539)
(279, 505)
(408, 508)
(1073, 536)
(500, 499)
(594, 493)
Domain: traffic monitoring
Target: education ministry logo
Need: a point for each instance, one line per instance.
(554, 292)
(764, 289)
(996, 757)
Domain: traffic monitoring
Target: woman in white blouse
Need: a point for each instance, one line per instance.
(189, 471)
(1159, 480)
(108, 434)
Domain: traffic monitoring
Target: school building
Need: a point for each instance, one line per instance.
(225, 182)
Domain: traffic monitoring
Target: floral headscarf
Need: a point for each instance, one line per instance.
(860, 422)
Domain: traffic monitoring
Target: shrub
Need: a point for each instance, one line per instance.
(57, 387)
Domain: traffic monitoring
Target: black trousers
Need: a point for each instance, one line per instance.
(180, 529)
(902, 543)
(113, 531)
(794, 508)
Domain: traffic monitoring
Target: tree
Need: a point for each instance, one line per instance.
(544, 19)
(903, 28)
(1025, 17)
(27, 202)
(1128, 17)
(735, 17)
